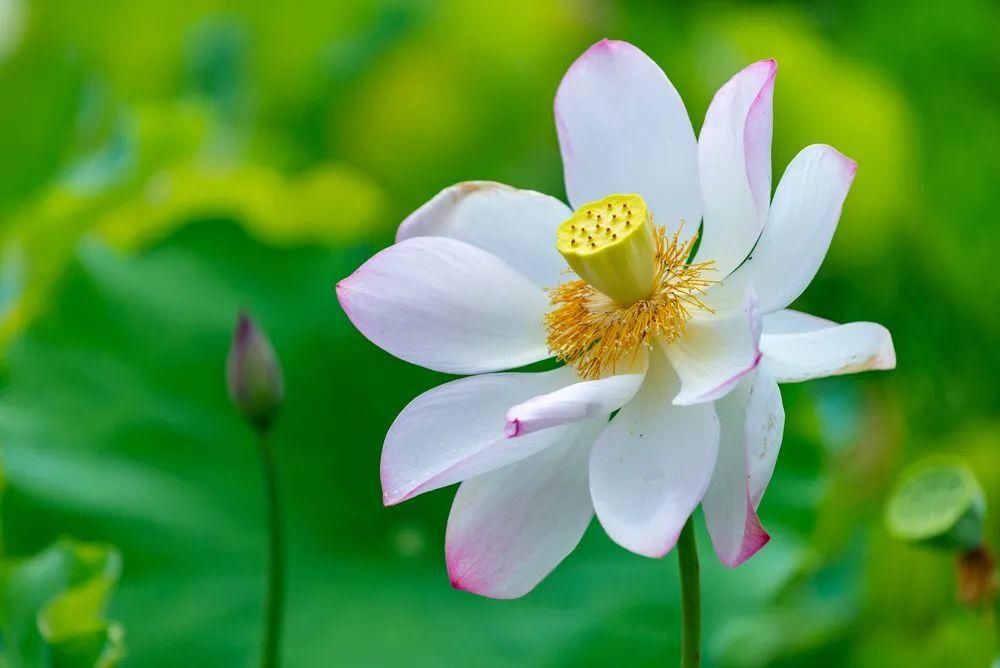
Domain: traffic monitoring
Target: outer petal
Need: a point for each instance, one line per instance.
(623, 129)
(734, 164)
(573, 403)
(509, 528)
(448, 306)
(799, 228)
(752, 420)
(455, 431)
(650, 467)
(715, 354)
(764, 428)
(788, 321)
(850, 348)
(518, 226)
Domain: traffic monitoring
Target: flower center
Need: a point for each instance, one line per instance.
(635, 286)
(609, 243)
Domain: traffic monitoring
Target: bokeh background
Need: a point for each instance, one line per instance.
(165, 162)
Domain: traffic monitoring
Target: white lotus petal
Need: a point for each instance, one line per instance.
(518, 226)
(624, 129)
(448, 306)
(752, 420)
(734, 165)
(651, 465)
(509, 528)
(850, 348)
(799, 228)
(765, 426)
(573, 403)
(787, 321)
(714, 354)
(456, 431)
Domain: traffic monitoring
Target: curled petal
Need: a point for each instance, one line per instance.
(832, 351)
(577, 402)
(518, 226)
(448, 306)
(624, 129)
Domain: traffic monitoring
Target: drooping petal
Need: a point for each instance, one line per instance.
(448, 306)
(577, 402)
(715, 353)
(734, 165)
(832, 351)
(799, 228)
(510, 528)
(752, 421)
(518, 226)
(788, 321)
(456, 431)
(651, 465)
(624, 129)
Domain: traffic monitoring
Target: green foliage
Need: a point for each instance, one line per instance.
(52, 608)
(938, 502)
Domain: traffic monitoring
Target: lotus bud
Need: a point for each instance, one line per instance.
(253, 375)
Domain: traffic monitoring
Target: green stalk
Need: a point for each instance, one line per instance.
(996, 622)
(274, 600)
(687, 553)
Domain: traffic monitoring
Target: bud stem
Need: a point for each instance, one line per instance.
(274, 601)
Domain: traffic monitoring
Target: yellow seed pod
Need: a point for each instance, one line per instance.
(609, 243)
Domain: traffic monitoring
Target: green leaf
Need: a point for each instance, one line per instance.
(53, 608)
(938, 501)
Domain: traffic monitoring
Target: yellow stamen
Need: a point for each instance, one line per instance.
(595, 333)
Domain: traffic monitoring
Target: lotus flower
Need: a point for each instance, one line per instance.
(671, 342)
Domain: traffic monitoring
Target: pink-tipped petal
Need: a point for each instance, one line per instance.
(577, 402)
(456, 431)
(752, 421)
(800, 226)
(651, 465)
(734, 165)
(831, 351)
(715, 353)
(624, 129)
(448, 306)
(509, 528)
(518, 226)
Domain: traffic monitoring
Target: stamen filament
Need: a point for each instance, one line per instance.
(590, 330)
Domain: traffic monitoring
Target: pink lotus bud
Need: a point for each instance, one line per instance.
(253, 374)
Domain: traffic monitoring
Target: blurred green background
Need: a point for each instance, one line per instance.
(164, 163)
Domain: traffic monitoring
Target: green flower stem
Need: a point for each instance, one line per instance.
(687, 553)
(996, 622)
(274, 601)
